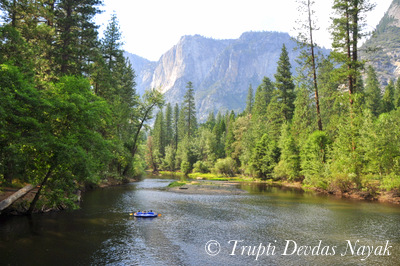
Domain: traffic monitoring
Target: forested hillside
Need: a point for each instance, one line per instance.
(327, 127)
(69, 113)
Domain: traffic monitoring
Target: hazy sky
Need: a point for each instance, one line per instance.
(151, 27)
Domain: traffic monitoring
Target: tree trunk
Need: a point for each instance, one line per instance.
(314, 68)
(36, 198)
(11, 199)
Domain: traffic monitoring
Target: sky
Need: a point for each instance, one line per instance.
(152, 27)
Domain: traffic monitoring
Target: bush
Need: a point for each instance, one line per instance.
(390, 182)
(225, 166)
(200, 167)
(185, 167)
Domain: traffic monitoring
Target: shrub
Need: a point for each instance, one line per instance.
(185, 167)
(390, 182)
(225, 166)
(200, 167)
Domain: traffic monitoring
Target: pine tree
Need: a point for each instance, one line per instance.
(168, 125)
(77, 34)
(262, 99)
(284, 84)
(210, 123)
(111, 43)
(189, 111)
(373, 97)
(159, 134)
(176, 126)
(302, 123)
(346, 31)
(305, 40)
(388, 98)
(265, 157)
(330, 100)
(250, 100)
(289, 164)
(397, 94)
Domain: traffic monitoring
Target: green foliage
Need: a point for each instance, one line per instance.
(262, 99)
(200, 167)
(187, 115)
(250, 100)
(225, 166)
(373, 98)
(314, 158)
(391, 182)
(388, 98)
(276, 136)
(289, 164)
(265, 157)
(396, 94)
(379, 144)
(284, 84)
(169, 160)
(185, 167)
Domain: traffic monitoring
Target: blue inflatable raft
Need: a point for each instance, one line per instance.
(146, 214)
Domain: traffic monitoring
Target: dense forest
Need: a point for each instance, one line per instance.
(330, 126)
(69, 113)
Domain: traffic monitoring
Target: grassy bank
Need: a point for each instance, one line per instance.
(373, 193)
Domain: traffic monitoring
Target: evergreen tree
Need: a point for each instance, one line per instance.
(77, 34)
(397, 94)
(169, 135)
(388, 98)
(289, 164)
(250, 100)
(284, 85)
(314, 158)
(189, 112)
(276, 117)
(373, 98)
(346, 31)
(302, 124)
(159, 134)
(210, 123)
(111, 43)
(176, 126)
(330, 100)
(305, 40)
(265, 157)
(262, 98)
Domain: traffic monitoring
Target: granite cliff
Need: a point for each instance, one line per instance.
(220, 70)
(382, 50)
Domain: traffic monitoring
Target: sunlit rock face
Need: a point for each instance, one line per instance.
(382, 49)
(221, 70)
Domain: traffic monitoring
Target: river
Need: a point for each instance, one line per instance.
(267, 226)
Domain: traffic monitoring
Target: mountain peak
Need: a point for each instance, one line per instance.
(382, 50)
(391, 17)
(221, 70)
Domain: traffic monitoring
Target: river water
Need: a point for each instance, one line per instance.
(268, 226)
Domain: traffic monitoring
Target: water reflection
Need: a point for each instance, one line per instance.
(102, 232)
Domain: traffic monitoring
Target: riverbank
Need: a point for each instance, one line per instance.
(21, 206)
(392, 197)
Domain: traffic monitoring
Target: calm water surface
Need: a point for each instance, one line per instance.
(103, 233)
